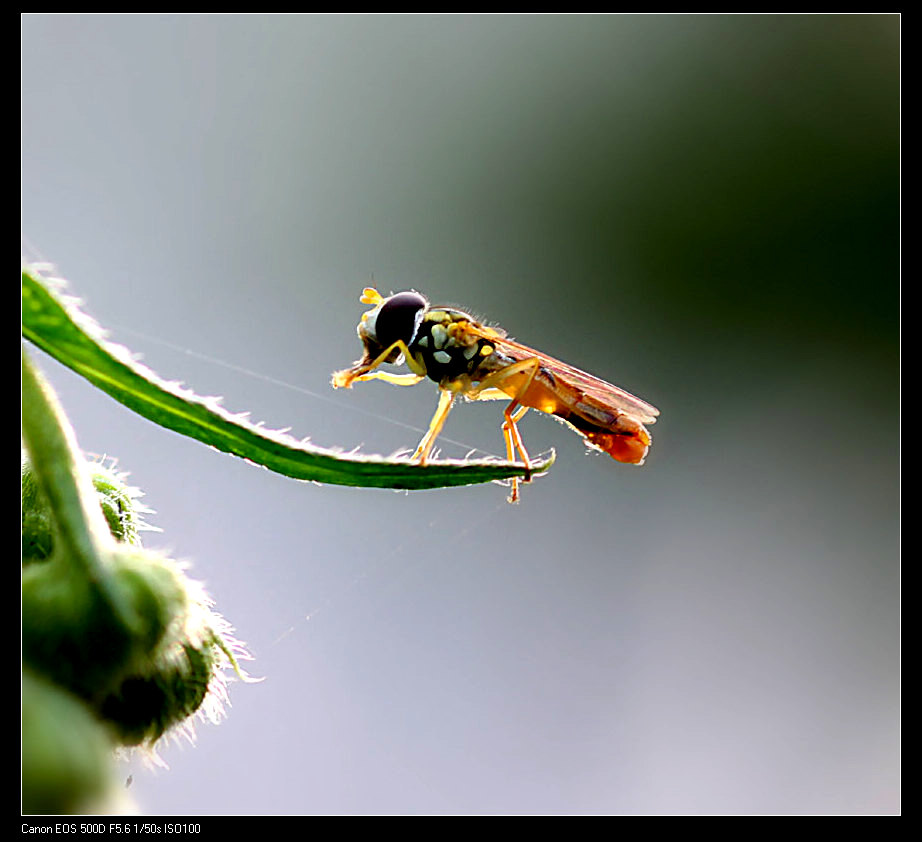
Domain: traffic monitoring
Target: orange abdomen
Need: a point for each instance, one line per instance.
(619, 435)
(623, 447)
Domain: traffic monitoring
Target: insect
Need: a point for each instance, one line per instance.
(469, 359)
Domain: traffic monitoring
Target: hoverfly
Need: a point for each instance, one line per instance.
(467, 358)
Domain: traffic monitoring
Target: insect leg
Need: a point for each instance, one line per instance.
(487, 388)
(387, 377)
(511, 431)
(514, 442)
(446, 399)
(345, 378)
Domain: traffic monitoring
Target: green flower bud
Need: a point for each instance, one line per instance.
(37, 524)
(148, 704)
(119, 627)
(183, 676)
(119, 504)
(86, 636)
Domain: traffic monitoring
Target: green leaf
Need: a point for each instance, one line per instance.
(55, 324)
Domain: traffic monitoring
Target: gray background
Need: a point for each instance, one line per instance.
(702, 209)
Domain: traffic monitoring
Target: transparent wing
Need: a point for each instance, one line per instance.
(606, 394)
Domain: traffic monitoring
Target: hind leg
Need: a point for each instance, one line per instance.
(513, 443)
(488, 388)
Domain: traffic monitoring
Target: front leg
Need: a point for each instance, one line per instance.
(363, 368)
(387, 377)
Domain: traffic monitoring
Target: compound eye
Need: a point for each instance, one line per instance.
(399, 318)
